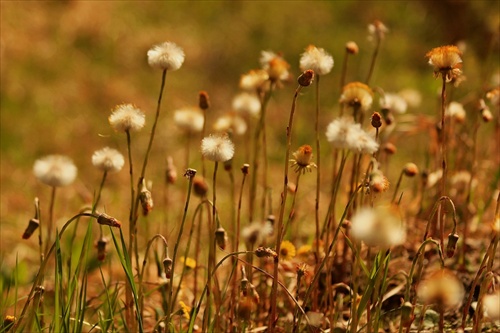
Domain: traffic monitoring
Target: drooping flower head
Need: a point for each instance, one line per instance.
(379, 226)
(55, 170)
(108, 160)
(275, 66)
(189, 120)
(217, 148)
(343, 133)
(357, 94)
(127, 117)
(302, 159)
(447, 61)
(166, 56)
(317, 59)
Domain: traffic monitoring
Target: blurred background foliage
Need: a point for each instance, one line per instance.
(66, 64)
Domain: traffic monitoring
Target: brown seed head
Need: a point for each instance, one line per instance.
(262, 252)
(244, 168)
(105, 219)
(190, 173)
(167, 266)
(30, 229)
(376, 120)
(221, 237)
(410, 169)
(452, 245)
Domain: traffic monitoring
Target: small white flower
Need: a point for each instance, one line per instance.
(217, 148)
(55, 170)
(190, 120)
(317, 59)
(108, 160)
(166, 56)
(127, 117)
(247, 104)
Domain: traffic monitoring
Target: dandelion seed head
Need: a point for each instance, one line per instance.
(447, 61)
(247, 104)
(127, 117)
(254, 80)
(275, 66)
(491, 306)
(166, 56)
(456, 111)
(379, 226)
(317, 59)
(55, 170)
(394, 103)
(441, 288)
(231, 122)
(189, 120)
(108, 160)
(217, 148)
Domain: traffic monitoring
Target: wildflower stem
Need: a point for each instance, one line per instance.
(374, 58)
(318, 189)
(393, 200)
(50, 227)
(279, 230)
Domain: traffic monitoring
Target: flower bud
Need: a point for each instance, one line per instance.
(390, 148)
(221, 237)
(101, 248)
(8, 322)
(410, 169)
(486, 115)
(376, 120)
(30, 229)
(351, 47)
(262, 252)
(105, 219)
(244, 168)
(200, 187)
(204, 101)
(452, 245)
(167, 266)
(146, 199)
(306, 78)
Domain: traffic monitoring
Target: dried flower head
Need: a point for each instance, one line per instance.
(351, 47)
(166, 56)
(55, 170)
(127, 117)
(256, 232)
(451, 246)
(231, 122)
(317, 59)
(378, 182)
(442, 288)
(287, 250)
(456, 111)
(254, 80)
(248, 104)
(31, 228)
(302, 159)
(357, 95)
(376, 120)
(267, 252)
(377, 29)
(189, 120)
(167, 267)
(275, 66)
(306, 78)
(221, 237)
(380, 226)
(393, 103)
(446, 60)
(343, 133)
(108, 160)
(217, 148)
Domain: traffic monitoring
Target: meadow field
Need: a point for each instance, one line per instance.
(250, 166)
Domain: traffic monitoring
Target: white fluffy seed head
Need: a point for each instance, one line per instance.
(189, 120)
(127, 117)
(55, 170)
(108, 160)
(217, 148)
(247, 104)
(317, 59)
(343, 133)
(166, 56)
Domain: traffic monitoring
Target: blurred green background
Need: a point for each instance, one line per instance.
(66, 64)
